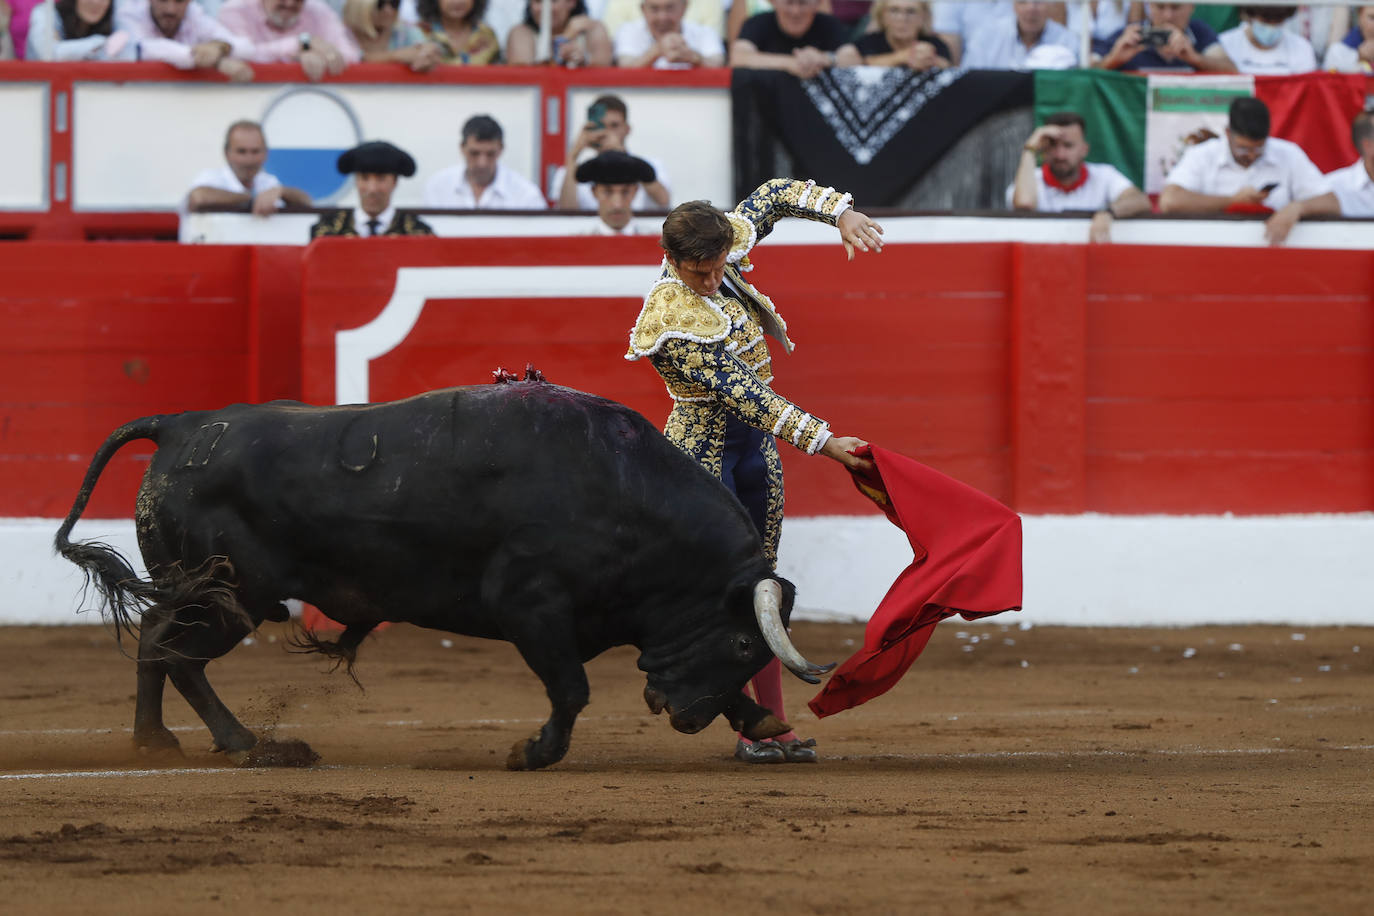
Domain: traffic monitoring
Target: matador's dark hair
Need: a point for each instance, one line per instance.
(696, 231)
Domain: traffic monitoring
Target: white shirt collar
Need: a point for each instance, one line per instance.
(360, 219)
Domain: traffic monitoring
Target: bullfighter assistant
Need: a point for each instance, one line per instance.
(702, 328)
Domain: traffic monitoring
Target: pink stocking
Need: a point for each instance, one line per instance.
(767, 686)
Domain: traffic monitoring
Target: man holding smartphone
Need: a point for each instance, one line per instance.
(1171, 39)
(1247, 171)
(605, 130)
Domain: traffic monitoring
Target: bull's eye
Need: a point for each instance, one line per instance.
(744, 646)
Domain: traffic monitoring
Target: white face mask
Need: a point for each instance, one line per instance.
(1265, 34)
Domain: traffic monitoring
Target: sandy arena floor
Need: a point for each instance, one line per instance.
(1217, 770)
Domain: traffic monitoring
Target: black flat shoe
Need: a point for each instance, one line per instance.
(799, 751)
(761, 752)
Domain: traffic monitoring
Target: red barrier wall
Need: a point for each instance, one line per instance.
(1058, 378)
(94, 335)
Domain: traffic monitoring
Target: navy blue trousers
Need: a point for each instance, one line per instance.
(744, 471)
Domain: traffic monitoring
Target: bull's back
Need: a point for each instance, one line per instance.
(427, 495)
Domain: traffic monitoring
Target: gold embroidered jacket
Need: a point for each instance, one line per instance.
(340, 223)
(711, 352)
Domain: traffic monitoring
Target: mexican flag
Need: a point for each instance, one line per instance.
(1142, 123)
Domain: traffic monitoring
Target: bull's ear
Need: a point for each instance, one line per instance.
(789, 595)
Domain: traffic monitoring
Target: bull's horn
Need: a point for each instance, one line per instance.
(768, 610)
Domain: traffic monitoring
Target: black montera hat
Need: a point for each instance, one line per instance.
(377, 157)
(615, 167)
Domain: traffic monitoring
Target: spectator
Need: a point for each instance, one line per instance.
(242, 182)
(1031, 40)
(1352, 188)
(578, 39)
(618, 13)
(180, 33)
(1246, 171)
(795, 37)
(1067, 181)
(6, 42)
(308, 31)
(383, 37)
(481, 182)
(955, 21)
(456, 26)
(376, 167)
(616, 178)
(1354, 184)
(1261, 44)
(83, 30)
(606, 128)
(1354, 53)
(904, 38)
(1171, 40)
(662, 40)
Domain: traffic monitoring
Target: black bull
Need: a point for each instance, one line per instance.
(559, 521)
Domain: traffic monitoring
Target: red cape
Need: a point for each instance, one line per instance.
(966, 550)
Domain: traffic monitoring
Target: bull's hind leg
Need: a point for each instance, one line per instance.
(178, 646)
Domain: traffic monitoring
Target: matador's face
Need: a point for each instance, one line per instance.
(702, 277)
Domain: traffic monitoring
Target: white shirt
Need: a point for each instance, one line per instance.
(586, 200)
(1293, 53)
(599, 227)
(1209, 168)
(634, 40)
(996, 46)
(360, 220)
(223, 178)
(1103, 186)
(509, 190)
(1344, 59)
(966, 17)
(1354, 189)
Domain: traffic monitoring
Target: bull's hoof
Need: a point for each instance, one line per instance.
(155, 743)
(770, 726)
(269, 753)
(516, 759)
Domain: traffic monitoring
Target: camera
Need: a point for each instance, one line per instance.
(1154, 38)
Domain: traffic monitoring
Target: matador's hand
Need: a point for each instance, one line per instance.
(858, 231)
(842, 449)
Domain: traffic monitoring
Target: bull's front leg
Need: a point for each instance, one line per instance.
(565, 681)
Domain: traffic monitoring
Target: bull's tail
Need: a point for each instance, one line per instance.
(343, 650)
(124, 595)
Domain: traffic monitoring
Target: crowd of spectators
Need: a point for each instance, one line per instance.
(802, 37)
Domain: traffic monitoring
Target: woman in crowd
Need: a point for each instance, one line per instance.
(385, 38)
(1355, 52)
(904, 38)
(578, 39)
(82, 30)
(456, 26)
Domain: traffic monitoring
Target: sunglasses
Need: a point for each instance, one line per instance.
(394, 4)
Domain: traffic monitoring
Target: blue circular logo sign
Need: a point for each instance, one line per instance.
(307, 127)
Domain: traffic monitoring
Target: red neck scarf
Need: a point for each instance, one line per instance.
(1053, 182)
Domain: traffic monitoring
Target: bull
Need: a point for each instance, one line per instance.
(550, 518)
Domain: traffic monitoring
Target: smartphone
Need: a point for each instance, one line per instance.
(1269, 187)
(597, 115)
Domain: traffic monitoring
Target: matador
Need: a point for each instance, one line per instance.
(703, 329)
